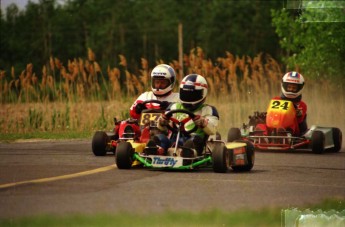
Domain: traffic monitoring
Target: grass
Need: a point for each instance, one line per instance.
(57, 120)
(265, 217)
(10, 137)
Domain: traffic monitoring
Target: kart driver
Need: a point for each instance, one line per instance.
(163, 79)
(193, 92)
(291, 86)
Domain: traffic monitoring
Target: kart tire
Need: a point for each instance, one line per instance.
(220, 158)
(317, 142)
(100, 142)
(337, 139)
(124, 155)
(250, 151)
(234, 134)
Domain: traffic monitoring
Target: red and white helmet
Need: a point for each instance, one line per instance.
(292, 78)
(163, 71)
(193, 91)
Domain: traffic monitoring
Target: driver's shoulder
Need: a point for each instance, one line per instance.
(210, 110)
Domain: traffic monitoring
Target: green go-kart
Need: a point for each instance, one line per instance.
(219, 155)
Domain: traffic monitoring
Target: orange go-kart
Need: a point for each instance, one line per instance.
(279, 126)
(129, 129)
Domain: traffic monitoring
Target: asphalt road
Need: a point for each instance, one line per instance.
(55, 177)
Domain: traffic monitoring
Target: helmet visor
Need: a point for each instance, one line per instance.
(160, 83)
(292, 87)
(191, 96)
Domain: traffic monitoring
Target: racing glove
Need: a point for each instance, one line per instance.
(164, 105)
(139, 107)
(200, 121)
(163, 120)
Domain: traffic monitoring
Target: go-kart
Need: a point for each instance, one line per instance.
(280, 120)
(129, 129)
(217, 154)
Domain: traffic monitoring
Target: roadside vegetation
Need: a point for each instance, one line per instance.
(75, 100)
(265, 217)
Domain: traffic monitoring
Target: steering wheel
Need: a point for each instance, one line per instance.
(179, 124)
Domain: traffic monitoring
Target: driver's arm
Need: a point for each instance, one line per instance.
(211, 114)
(162, 121)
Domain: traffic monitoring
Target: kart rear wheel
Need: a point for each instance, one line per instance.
(100, 142)
(337, 139)
(220, 158)
(234, 134)
(124, 155)
(250, 152)
(318, 142)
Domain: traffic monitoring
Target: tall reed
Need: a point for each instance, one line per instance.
(79, 96)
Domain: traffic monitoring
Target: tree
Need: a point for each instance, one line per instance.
(316, 47)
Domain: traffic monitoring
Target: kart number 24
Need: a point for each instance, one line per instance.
(283, 105)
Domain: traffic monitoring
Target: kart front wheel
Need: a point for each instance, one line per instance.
(234, 134)
(100, 142)
(337, 139)
(220, 158)
(124, 155)
(318, 142)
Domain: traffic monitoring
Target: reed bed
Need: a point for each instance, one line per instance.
(80, 97)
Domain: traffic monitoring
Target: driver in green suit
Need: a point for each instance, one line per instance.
(193, 92)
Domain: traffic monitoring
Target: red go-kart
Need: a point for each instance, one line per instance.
(279, 126)
(131, 129)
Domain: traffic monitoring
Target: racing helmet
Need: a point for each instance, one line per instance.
(193, 91)
(294, 79)
(163, 72)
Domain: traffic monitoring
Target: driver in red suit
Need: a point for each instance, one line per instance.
(291, 87)
(163, 79)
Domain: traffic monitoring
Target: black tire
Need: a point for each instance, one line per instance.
(124, 155)
(220, 158)
(234, 134)
(337, 139)
(318, 142)
(100, 142)
(250, 152)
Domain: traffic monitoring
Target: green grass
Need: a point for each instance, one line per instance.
(264, 217)
(11, 137)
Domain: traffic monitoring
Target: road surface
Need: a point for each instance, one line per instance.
(64, 177)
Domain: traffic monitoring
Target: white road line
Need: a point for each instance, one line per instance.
(68, 176)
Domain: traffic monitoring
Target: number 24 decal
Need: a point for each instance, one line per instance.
(280, 105)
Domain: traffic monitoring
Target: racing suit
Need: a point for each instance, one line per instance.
(200, 136)
(149, 95)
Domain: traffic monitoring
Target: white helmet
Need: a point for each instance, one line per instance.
(163, 71)
(193, 91)
(292, 78)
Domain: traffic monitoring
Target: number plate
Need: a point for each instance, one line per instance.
(149, 119)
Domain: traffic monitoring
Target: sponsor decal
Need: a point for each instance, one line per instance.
(159, 74)
(292, 80)
(164, 161)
